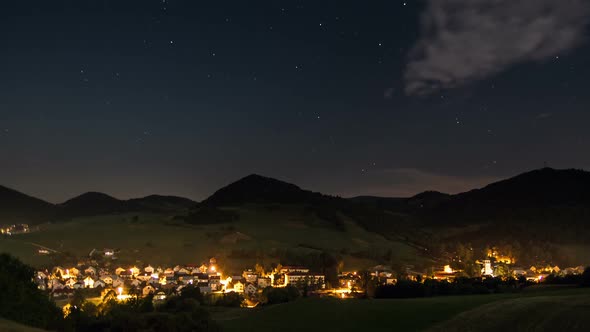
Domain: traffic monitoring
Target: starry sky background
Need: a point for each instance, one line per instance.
(350, 98)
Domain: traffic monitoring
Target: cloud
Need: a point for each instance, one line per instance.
(406, 182)
(466, 40)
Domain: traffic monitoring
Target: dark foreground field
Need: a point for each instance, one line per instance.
(557, 310)
(551, 309)
(8, 326)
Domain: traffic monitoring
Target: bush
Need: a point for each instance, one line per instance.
(272, 295)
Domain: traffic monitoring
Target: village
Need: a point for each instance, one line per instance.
(14, 229)
(133, 281)
(160, 282)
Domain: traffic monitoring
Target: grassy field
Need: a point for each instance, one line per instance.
(159, 240)
(9, 326)
(533, 311)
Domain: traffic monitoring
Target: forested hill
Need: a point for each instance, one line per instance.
(16, 207)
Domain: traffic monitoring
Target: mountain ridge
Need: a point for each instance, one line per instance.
(537, 189)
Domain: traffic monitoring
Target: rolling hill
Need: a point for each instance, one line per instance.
(96, 204)
(543, 210)
(326, 211)
(543, 214)
(18, 207)
(91, 204)
(257, 189)
(540, 197)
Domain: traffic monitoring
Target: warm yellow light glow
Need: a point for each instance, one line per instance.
(120, 290)
(213, 268)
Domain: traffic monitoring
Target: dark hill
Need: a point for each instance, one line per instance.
(542, 195)
(386, 203)
(260, 190)
(539, 188)
(257, 189)
(91, 204)
(158, 203)
(426, 199)
(17, 207)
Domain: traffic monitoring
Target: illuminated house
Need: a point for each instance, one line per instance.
(90, 271)
(107, 280)
(300, 278)
(250, 289)
(238, 287)
(487, 268)
(264, 282)
(215, 283)
(88, 282)
(291, 269)
(99, 284)
(134, 271)
(118, 282)
(250, 275)
(74, 271)
(447, 273)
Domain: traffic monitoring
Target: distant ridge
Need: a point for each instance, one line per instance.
(161, 203)
(91, 204)
(546, 186)
(18, 207)
(95, 203)
(256, 188)
(543, 194)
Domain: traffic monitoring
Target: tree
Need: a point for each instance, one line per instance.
(191, 292)
(78, 298)
(259, 269)
(502, 271)
(21, 300)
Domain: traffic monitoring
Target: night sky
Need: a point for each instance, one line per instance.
(344, 97)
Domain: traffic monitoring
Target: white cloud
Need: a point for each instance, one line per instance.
(467, 40)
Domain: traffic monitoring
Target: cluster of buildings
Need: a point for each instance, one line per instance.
(127, 281)
(14, 229)
(495, 265)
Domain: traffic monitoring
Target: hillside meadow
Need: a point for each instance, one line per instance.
(159, 239)
(558, 310)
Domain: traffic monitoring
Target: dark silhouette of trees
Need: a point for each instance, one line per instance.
(272, 295)
(21, 300)
(586, 277)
